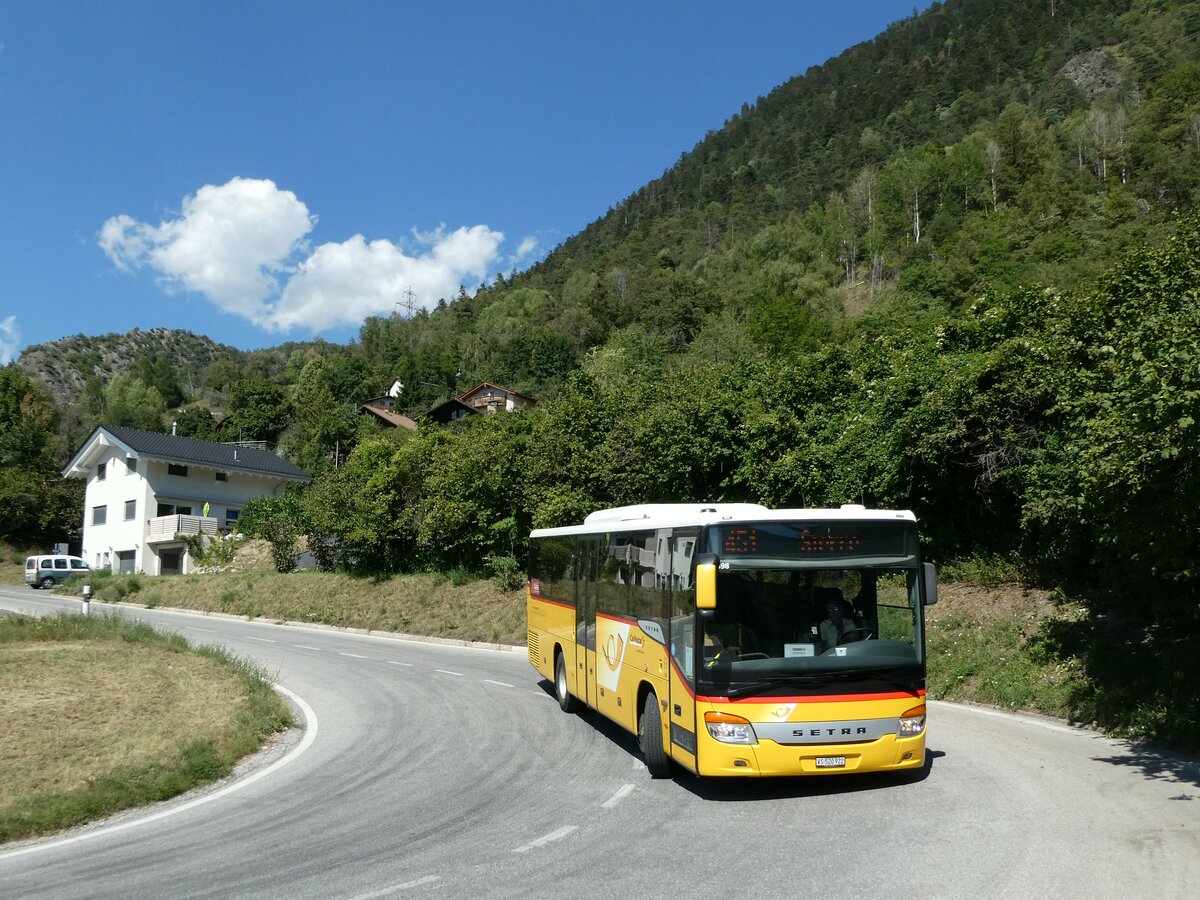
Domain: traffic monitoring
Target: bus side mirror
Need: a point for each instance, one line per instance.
(706, 581)
(929, 572)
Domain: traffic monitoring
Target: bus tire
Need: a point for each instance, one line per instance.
(658, 764)
(566, 702)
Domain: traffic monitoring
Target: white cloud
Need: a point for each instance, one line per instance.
(342, 284)
(525, 249)
(229, 243)
(10, 338)
(241, 245)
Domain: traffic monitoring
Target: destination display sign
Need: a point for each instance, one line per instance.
(825, 540)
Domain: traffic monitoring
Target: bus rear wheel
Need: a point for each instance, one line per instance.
(566, 702)
(658, 764)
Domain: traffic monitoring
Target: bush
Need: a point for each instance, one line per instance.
(278, 521)
(507, 572)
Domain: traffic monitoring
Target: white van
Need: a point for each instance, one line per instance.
(47, 571)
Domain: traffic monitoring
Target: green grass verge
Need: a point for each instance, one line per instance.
(42, 691)
(1008, 646)
(996, 663)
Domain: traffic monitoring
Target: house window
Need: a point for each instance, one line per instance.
(130, 510)
(130, 465)
(101, 471)
(99, 515)
(171, 509)
(173, 469)
(222, 476)
(231, 517)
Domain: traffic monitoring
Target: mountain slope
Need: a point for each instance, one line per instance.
(64, 366)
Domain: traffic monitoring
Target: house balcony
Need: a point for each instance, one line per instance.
(164, 528)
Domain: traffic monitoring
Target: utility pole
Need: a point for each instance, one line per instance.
(409, 303)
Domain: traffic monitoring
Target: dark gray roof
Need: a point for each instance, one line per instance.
(206, 453)
(444, 409)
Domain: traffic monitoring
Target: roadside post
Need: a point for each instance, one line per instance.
(87, 598)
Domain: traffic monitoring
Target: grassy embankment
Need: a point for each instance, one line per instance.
(101, 714)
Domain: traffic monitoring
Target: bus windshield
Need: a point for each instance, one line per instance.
(808, 625)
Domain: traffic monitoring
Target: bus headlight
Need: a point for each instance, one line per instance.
(730, 729)
(912, 722)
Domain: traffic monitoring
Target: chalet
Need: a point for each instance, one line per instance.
(145, 489)
(488, 398)
(383, 409)
(483, 398)
(450, 411)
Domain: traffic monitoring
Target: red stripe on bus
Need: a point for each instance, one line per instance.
(819, 698)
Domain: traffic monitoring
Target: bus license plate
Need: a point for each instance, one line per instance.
(831, 762)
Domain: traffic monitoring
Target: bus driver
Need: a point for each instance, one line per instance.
(837, 629)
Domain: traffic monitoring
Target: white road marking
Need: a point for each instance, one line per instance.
(395, 888)
(310, 735)
(261, 640)
(194, 628)
(542, 841)
(353, 655)
(1060, 727)
(501, 683)
(306, 647)
(618, 797)
(448, 672)
(392, 662)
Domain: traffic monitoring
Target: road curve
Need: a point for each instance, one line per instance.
(450, 771)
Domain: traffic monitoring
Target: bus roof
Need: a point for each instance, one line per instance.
(647, 516)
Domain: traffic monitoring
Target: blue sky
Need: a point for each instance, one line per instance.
(266, 171)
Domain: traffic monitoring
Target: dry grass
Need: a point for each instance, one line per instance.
(100, 714)
(77, 708)
(12, 564)
(407, 604)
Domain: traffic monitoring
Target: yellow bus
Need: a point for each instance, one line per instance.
(734, 639)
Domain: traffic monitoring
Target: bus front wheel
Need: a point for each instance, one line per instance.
(658, 764)
(566, 702)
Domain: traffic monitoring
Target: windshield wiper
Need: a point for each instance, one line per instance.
(821, 679)
(878, 674)
(760, 686)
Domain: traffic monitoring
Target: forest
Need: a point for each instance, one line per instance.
(954, 269)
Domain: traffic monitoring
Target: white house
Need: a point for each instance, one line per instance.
(144, 489)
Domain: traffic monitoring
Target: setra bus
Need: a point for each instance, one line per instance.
(734, 639)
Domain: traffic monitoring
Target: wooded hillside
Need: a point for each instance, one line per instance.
(949, 270)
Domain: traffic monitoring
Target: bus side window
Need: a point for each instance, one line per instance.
(677, 572)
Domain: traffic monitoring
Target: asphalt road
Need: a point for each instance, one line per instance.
(429, 770)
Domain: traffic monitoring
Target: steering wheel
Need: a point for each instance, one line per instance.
(867, 633)
(754, 655)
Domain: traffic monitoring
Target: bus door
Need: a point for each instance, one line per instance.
(585, 619)
(681, 698)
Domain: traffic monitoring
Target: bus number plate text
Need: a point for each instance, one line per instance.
(831, 762)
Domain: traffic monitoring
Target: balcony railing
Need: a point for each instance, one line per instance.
(164, 528)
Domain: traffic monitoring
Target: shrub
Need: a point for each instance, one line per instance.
(507, 572)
